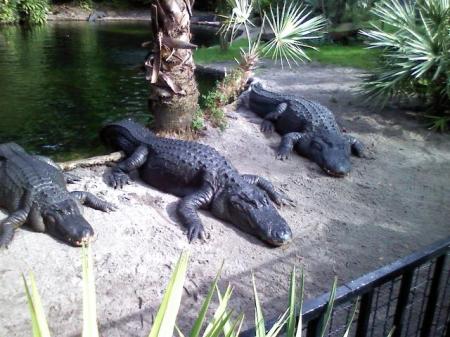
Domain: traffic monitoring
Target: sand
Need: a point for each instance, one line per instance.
(388, 207)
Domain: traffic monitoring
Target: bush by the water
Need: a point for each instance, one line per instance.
(8, 11)
(414, 38)
(29, 11)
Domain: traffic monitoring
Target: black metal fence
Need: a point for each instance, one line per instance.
(412, 294)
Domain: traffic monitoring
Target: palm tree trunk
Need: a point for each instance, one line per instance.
(173, 91)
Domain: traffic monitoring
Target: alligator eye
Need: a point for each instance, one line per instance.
(316, 146)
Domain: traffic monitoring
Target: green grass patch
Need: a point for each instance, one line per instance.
(215, 54)
(357, 56)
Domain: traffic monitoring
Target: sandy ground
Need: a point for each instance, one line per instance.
(386, 208)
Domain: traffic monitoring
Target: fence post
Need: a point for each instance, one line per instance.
(433, 297)
(365, 308)
(402, 301)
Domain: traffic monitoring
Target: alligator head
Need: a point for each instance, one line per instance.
(125, 135)
(249, 208)
(331, 151)
(64, 221)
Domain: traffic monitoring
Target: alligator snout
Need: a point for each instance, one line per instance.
(338, 170)
(281, 236)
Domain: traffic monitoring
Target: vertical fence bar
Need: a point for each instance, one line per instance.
(402, 301)
(365, 309)
(433, 296)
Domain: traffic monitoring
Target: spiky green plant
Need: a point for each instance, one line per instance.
(292, 26)
(414, 38)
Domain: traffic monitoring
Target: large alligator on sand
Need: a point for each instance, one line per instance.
(202, 177)
(33, 191)
(308, 127)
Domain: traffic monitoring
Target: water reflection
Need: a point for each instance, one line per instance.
(60, 82)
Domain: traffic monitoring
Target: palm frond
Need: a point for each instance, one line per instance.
(292, 25)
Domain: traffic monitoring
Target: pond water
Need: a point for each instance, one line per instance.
(60, 82)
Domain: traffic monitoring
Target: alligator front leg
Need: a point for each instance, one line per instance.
(119, 174)
(287, 144)
(357, 146)
(89, 200)
(188, 211)
(266, 186)
(267, 125)
(8, 226)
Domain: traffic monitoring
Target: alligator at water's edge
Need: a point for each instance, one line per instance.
(202, 177)
(306, 126)
(33, 191)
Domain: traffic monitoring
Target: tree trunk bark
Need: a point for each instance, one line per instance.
(173, 94)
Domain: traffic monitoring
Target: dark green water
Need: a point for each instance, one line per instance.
(60, 82)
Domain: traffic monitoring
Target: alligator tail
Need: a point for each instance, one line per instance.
(6, 234)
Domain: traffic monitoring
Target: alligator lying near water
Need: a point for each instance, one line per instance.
(33, 191)
(308, 127)
(202, 177)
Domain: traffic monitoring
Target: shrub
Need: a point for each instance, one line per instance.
(8, 11)
(415, 42)
(33, 11)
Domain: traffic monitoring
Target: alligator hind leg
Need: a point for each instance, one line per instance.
(265, 185)
(287, 144)
(267, 125)
(89, 200)
(119, 174)
(357, 146)
(188, 211)
(8, 225)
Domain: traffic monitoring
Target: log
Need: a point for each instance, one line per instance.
(92, 161)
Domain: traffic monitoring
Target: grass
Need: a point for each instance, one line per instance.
(215, 54)
(347, 56)
(357, 56)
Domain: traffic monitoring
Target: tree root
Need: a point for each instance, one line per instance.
(93, 161)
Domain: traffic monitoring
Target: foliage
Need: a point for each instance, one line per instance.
(33, 11)
(164, 324)
(292, 25)
(198, 120)
(415, 42)
(8, 11)
(86, 4)
(355, 11)
(225, 92)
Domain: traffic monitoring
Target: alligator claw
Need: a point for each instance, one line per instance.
(196, 231)
(6, 235)
(117, 180)
(283, 154)
(267, 126)
(281, 199)
(107, 207)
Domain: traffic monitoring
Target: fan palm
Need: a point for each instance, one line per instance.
(415, 41)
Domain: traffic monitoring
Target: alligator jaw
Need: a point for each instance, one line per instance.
(334, 174)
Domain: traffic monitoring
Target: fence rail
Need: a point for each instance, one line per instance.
(411, 294)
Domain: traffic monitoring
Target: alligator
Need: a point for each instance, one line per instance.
(33, 191)
(307, 126)
(201, 177)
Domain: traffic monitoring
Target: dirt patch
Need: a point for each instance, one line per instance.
(386, 208)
